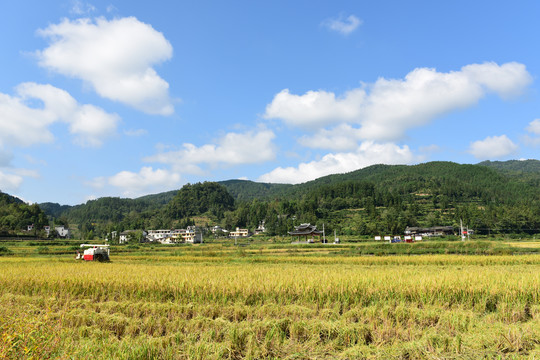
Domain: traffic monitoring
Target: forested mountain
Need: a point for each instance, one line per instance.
(192, 200)
(16, 215)
(248, 190)
(54, 209)
(514, 166)
(158, 199)
(489, 197)
(527, 171)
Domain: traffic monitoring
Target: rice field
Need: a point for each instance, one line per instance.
(270, 302)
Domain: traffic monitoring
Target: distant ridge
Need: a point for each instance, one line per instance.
(503, 196)
(516, 166)
(245, 190)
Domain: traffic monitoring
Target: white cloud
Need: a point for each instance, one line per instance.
(11, 178)
(316, 108)
(250, 147)
(493, 147)
(342, 24)
(10, 182)
(22, 124)
(534, 127)
(146, 181)
(369, 153)
(80, 8)
(115, 57)
(233, 149)
(341, 138)
(91, 124)
(386, 109)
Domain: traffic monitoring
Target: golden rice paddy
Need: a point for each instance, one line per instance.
(260, 304)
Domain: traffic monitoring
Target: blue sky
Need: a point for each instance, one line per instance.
(125, 98)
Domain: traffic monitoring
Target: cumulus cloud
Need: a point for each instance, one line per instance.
(10, 182)
(386, 109)
(492, 147)
(115, 57)
(26, 117)
(316, 108)
(251, 147)
(91, 124)
(341, 138)
(132, 184)
(232, 149)
(342, 24)
(368, 153)
(534, 127)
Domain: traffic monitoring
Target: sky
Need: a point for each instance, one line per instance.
(129, 98)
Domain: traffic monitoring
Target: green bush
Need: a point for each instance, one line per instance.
(4, 251)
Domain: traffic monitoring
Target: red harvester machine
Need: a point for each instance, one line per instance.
(94, 253)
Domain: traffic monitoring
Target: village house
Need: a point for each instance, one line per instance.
(125, 236)
(158, 235)
(192, 235)
(62, 232)
(260, 229)
(239, 233)
(218, 231)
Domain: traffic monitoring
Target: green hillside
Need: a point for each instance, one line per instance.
(514, 166)
(527, 171)
(248, 190)
(491, 197)
(16, 215)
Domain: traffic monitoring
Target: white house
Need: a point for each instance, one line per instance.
(124, 236)
(261, 229)
(62, 232)
(239, 233)
(158, 235)
(193, 235)
(190, 235)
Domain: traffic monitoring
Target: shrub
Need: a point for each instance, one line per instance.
(4, 251)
